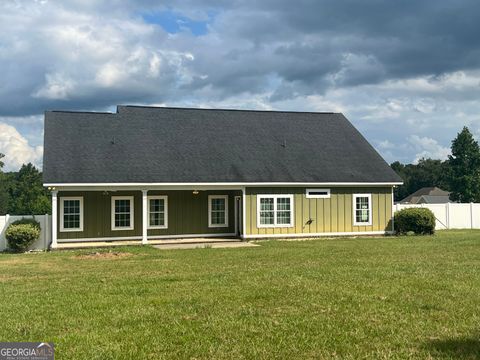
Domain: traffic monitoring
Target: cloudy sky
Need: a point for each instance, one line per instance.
(406, 73)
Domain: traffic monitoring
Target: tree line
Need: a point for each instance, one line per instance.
(22, 192)
(459, 174)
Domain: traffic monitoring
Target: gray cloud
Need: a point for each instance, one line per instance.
(382, 62)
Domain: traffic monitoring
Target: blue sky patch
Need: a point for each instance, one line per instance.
(173, 22)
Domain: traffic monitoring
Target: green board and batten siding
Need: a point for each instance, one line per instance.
(187, 214)
(333, 215)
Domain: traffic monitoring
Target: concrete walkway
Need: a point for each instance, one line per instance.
(213, 245)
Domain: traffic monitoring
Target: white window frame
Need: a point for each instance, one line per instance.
(310, 196)
(370, 210)
(275, 197)
(210, 198)
(132, 211)
(165, 201)
(62, 199)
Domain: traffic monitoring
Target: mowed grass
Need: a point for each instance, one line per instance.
(370, 298)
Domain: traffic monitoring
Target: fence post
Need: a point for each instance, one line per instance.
(448, 215)
(471, 215)
(45, 233)
(7, 218)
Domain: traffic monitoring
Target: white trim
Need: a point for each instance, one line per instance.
(54, 219)
(393, 211)
(150, 237)
(228, 185)
(144, 216)
(210, 198)
(369, 223)
(316, 196)
(165, 202)
(310, 235)
(236, 200)
(189, 236)
(62, 199)
(275, 197)
(244, 212)
(132, 210)
(112, 238)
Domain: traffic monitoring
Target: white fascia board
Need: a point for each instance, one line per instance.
(206, 186)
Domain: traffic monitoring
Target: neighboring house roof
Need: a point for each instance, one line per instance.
(430, 199)
(427, 195)
(164, 145)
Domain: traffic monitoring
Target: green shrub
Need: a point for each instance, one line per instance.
(21, 234)
(24, 221)
(420, 221)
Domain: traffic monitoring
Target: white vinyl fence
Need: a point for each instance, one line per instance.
(45, 235)
(451, 215)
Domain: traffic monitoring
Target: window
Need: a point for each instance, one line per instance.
(157, 212)
(317, 193)
(362, 206)
(71, 214)
(122, 212)
(217, 210)
(274, 210)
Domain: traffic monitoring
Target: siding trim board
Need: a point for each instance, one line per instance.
(150, 237)
(309, 235)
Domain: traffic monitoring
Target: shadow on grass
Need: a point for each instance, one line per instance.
(456, 348)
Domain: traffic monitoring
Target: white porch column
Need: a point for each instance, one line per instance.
(244, 212)
(54, 219)
(144, 216)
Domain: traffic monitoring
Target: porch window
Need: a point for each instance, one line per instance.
(122, 212)
(157, 212)
(218, 211)
(362, 205)
(274, 210)
(71, 214)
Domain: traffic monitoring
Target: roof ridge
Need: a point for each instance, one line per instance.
(80, 112)
(223, 109)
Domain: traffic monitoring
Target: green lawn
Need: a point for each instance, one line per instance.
(414, 297)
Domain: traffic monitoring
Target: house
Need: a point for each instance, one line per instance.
(427, 195)
(150, 173)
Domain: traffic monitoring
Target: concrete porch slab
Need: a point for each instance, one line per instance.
(161, 243)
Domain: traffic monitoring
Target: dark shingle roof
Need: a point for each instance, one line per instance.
(430, 195)
(156, 145)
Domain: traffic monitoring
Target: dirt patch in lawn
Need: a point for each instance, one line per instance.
(110, 255)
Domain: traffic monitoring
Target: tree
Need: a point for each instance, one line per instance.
(464, 168)
(28, 196)
(427, 173)
(3, 189)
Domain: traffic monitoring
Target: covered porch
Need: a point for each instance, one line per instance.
(92, 216)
